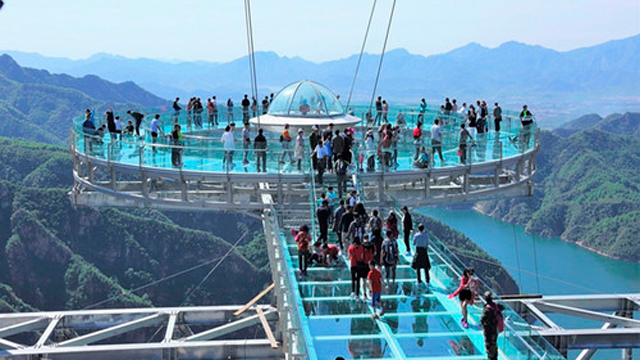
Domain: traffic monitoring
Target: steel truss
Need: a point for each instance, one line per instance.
(615, 312)
(153, 333)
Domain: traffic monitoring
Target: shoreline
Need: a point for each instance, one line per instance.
(477, 208)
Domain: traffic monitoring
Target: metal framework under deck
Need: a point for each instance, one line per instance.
(152, 333)
(613, 312)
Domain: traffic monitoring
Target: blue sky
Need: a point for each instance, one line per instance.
(315, 30)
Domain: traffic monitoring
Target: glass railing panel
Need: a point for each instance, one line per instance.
(203, 142)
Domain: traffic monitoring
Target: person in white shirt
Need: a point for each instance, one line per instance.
(463, 109)
(154, 127)
(119, 125)
(436, 140)
(228, 143)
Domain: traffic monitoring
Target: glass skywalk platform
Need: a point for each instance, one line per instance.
(131, 170)
(202, 150)
(318, 318)
(418, 322)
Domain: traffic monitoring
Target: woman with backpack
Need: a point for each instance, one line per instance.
(390, 256)
(492, 322)
(303, 239)
(466, 293)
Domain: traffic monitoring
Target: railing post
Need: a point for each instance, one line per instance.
(184, 190)
(90, 171)
(112, 172)
(427, 185)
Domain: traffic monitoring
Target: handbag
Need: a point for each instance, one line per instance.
(459, 153)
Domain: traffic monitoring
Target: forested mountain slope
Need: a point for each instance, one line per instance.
(587, 189)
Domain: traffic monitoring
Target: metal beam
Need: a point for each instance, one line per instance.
(23, 327)
(587, 314)
(540, 315)
(595, 338)
(256, 348)
(586, 354)
(47, 332)
(229, 328)
(171, 325)
(6, 344)
(114, 330)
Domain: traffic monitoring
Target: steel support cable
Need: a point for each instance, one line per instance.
(203, 279)
(213, 268)
(515, 241)
(527, 272)
(156, 282)
(364, 43)
(384, 49)
(251, 55)
(535, 252)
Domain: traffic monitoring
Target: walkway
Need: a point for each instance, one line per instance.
(418, 323)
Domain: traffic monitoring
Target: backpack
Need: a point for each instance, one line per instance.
(499, 319)
(391, 253)
(341, 167)
(376, 224)
(497, 315)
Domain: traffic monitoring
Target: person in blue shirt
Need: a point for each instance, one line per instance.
(422, 162)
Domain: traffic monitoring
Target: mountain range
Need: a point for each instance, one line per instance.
(39, 106)
(54, 256)
(603, 78)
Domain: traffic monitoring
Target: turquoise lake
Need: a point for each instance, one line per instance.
(562, 267)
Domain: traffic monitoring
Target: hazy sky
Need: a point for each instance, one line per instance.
(320, 30)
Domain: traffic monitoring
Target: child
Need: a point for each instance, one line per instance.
(317, 254)
(330, 253)
(375, 285)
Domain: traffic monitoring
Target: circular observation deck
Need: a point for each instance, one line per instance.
(133, 171)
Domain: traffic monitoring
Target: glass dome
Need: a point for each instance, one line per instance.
(306, 99)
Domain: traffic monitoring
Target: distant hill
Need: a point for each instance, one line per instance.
(604, 77)
(622, 124)
(587, 189)
(36, 105)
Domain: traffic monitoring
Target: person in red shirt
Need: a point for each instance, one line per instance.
(466, 292)
(330, 252)
(369, 254)
(375, 285)
(356, 258)
(417, 139)
(303, 239)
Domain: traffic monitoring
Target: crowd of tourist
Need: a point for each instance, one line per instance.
(331, 149)
(365, 241)
(367, 244)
